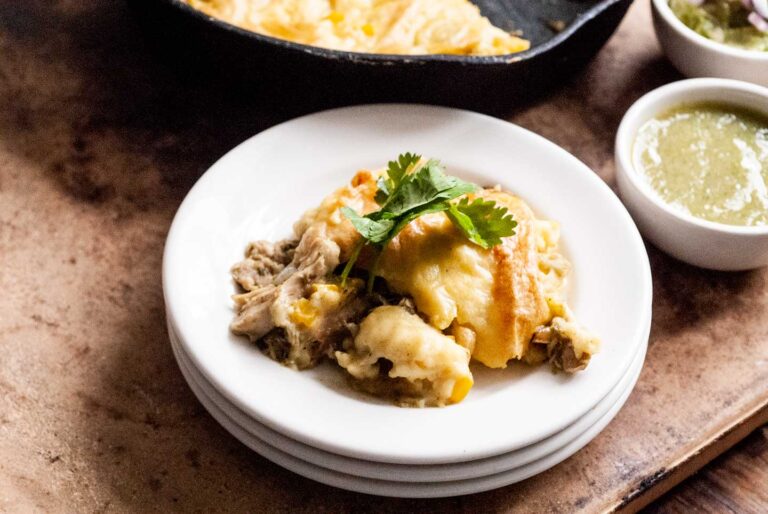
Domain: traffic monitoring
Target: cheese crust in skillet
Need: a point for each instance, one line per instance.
(371, 26)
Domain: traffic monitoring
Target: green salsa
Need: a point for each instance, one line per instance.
(709, 160)
(724, 21)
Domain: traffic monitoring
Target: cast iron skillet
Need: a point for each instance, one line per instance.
(275, 71)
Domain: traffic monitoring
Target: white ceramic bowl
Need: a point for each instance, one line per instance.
(696, 241)
(697, 56)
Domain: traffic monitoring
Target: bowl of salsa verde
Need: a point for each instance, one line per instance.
(692, 168)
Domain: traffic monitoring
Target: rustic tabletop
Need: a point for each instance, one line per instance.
(99, 144)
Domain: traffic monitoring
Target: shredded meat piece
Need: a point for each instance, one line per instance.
(276, 276)
(383, 296)
(331, 330)
(275, 344)
(315, 258)
(254, 318)
(560, 349)
(263, 260)
(562, 355)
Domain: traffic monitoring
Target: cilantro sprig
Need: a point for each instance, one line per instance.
(482, 221)
(409, 191)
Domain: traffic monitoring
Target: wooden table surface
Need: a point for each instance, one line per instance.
(99, 144)
(736, 482)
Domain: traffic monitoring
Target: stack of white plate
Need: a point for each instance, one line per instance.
(515, 422)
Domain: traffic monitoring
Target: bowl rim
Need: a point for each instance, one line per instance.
(718, 89)
(372, 58)
(665, 12)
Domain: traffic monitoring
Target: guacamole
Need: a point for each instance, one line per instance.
(724, 21)
(709, 160)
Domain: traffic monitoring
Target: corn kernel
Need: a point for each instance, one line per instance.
(367, 29)
(336, 17)
(460, 389)
(303, 312)
(556, 307)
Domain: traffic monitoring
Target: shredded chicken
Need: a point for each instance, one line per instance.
(564, 344)
(263, 260)
(277, 279)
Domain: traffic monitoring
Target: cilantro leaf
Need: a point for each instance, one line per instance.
(396, 172)
(427, 184)
(403, 221)
(372, 230)
(405, 196)
(383, 192)
(482, 221)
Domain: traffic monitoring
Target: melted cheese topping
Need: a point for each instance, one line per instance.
(359, 195)
(432, 363)
(373, 26)
(495, 293)
(584, 343)
(478, 303)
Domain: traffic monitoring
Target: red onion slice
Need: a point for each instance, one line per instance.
(758, 21)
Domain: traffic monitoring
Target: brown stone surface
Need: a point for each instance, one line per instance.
(98, 145)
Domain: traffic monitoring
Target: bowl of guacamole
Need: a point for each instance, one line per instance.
(715, 38)
(730, 22)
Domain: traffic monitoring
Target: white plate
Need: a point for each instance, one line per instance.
(261, 187)
(398, 488)
(401, 472)
(406, 473)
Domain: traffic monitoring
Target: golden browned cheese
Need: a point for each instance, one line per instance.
(491, 301)
(435, 368)
(374, 26)
(358, 195)
(495, 293)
